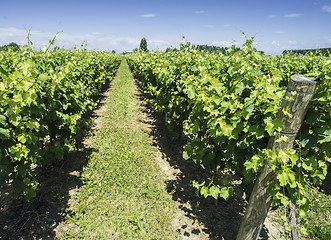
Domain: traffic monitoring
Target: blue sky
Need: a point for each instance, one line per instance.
(120, 25)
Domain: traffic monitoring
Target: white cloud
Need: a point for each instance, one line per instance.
(9, 32)
(272, 16)
(272, 47)
(199, 12)
(274, 43)
(17, 35)
(149, 15)
(224, 43)
(293, 15)
(94, 40)
(327, 8)
(157, 44)
(98, 41)
(292, 42)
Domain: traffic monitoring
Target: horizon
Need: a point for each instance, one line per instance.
(107, 25)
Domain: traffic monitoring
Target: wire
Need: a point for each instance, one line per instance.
(284, 195)
(299, 185)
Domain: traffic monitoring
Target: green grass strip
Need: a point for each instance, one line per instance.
(123, 195)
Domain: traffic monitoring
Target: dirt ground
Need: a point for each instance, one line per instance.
(195, 218)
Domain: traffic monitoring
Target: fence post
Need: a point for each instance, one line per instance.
(297, 97)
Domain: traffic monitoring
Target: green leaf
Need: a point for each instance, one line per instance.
(204, 191)
(3, 120)
(196, 127)
(22, 139)
(186, 155)
(29, 193)
(239, 88)
(216, 99)
(197, 185)
(324, 136)
(214, 191)
(282, 177)
(318, 174)
(26, 65)
(250, 108)
(302, 213)
(4, 133)
(272, 125)
(309, 164)
(18, 98)
(218, 87)
(254, 163)
(225, 105)
(190, 92)
(245, 114)
(4, 70)
(273, 188)
(225, 192)
(227, 130)
(43, 77)
(32, 125)
(257, 131)
(2, 86)
(291, 179)
(188, 151)
(249, 165)
(286, 177)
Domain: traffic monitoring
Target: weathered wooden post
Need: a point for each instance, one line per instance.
(298, 95)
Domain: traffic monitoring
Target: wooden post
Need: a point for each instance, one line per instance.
(292, 221)
(298, 95)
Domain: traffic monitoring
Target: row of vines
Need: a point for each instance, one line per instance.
(228, 105)
(43, 98)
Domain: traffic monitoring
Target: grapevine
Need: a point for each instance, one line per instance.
(43, 98)
(228, 105)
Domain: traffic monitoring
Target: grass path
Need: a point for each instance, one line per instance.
(123, 196)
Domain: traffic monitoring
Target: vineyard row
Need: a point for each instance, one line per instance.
(228, 104)
(43, 99)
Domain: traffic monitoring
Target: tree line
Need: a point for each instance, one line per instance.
(213, 48)
(12, 45)
(321, 51)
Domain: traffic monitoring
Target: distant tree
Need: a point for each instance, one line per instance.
(320, 51)
(143, 45)
(12, 46)
(113, 51)
(171, 49)
(214, 48)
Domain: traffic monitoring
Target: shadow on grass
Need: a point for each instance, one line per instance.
(39, 217)
(326, 184)
(221, 219)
